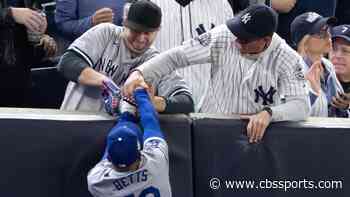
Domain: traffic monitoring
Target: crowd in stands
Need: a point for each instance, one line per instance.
(318, 32)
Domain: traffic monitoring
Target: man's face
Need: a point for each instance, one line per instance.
(139, 42)
(252, 47)
(340, 57)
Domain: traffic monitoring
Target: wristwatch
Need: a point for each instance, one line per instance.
(268, 110)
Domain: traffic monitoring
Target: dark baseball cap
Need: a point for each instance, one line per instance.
(341, 31)
(124, 144)
(256, 21)
(144, 16)
(308, 23)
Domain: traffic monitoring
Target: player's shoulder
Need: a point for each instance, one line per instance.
(286, 54)
(219, 33)
(108, 29)
(280, 45)
(152, 51)
(154, 142)
(98, 171)
(221, 36)
(155, 146)
(149, 54)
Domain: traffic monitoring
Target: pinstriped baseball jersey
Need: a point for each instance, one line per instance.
(104, 49)
(151, 179)
(179, 24)
(239, 84)
(207, 13)
(171, 33)
(320, 106)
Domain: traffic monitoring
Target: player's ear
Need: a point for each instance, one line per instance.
(268, 39)
(157, 30)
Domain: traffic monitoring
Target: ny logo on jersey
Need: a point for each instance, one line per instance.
(267, 97)
(246, 18)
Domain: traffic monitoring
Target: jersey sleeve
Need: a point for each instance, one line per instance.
(170, 85)
(91, 44)
(292, 81)
(156, 148)
(293, 87)
(97, 175)
(199, 50)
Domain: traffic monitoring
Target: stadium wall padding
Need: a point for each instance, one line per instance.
(45, 153)
(316, 150)
(49, 152)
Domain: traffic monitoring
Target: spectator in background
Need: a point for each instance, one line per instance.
(340, 57)
(74, 17)
(342, 12)
(325, 8)
(22, 43)
(253, 68)
(187, 19)
(281, 6)
(311, 38)
(107, 53)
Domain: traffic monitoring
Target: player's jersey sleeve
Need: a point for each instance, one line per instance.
(156, 148)
(96, 177)
(292, 81)
(292, 85)
(170, 85)
(93, 43)
(198, 50)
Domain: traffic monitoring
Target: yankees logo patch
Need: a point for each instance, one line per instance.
(204, 39)
(267, 97)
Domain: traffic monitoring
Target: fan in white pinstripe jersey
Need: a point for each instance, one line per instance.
(246, 77)
(179, 24)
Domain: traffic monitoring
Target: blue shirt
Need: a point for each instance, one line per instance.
(74, 17)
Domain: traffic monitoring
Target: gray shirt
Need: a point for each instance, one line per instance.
(105, 51)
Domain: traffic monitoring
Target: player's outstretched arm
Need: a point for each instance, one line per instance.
(148, 115)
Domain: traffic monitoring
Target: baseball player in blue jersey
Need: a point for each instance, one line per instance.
(134, 165)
